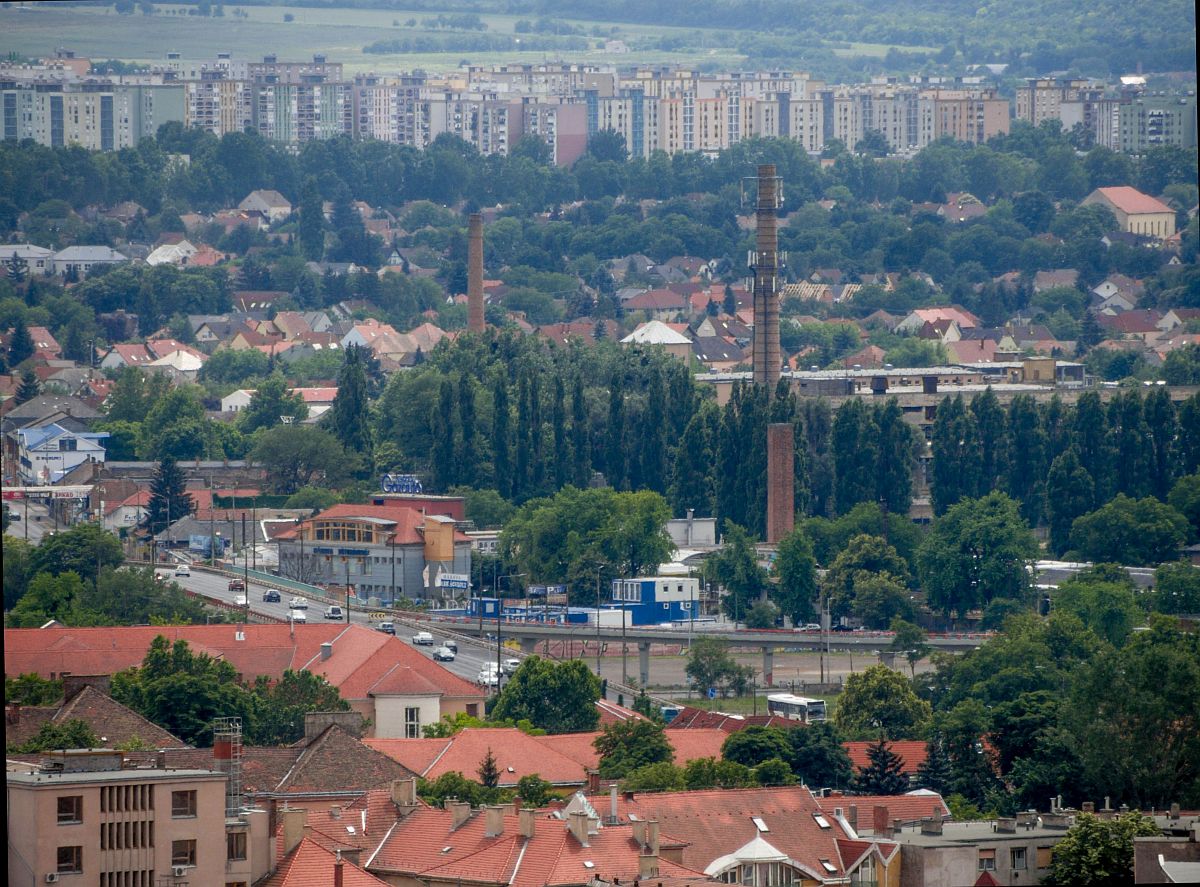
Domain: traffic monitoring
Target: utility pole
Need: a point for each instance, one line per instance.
(245, 570)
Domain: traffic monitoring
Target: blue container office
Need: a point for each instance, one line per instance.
(651, 600)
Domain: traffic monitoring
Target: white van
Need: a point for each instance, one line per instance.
(298, 616)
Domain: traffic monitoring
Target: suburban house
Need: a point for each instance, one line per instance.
(1136, 213)
(382, 678)
(79, 260)
(271, 204)
(657, 333)
(48, 452)
(172, 254)
(38, 260)
(130, 354)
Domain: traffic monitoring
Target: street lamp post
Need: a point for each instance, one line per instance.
(245, 570)
(499, 640)
(392, 603)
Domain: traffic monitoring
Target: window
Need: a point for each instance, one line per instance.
(1018, 859)
(70, 859)
(70, 809)
(1045, 857)
(987, 860)
(183, 804)
(412, 722)
(183, 852)
(235, 845)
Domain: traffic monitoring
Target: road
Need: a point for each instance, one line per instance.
(471, 657)
(32, 526)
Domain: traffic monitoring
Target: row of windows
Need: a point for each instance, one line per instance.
(141, 878)
(124, 798)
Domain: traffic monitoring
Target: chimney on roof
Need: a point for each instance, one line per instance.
(73, 683)
(852, 816)
(404, 793)
(639, 831)
(930, 826)
(335, 812)
(460, 812)
(897, 826)
(293, 828)
(326, 650)
(578, 824)
(652, 836)
(593, 778)
(880, 820)
(475, 319)
(1088, 807)
(647, 865)
(612, 804)
(1005, 825)
(337, 870)
(527, 822)
(315, 722)
(494, 821)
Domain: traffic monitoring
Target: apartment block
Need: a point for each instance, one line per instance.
(218, 104)
(82, 817)
(94, 115)
(1152, 120)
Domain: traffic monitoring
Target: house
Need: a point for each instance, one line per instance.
(661, 304)
(307, 863)
(85, 698)
(582, 331)
(1138, 323)
(271, 204)
(127, 513)
(1136, 213)
(80, 260)
(1044, 280)
(179, 254)
(917, 318)
(44, 344)
(717, 353)
(870, 357)
(37, 259)
(655, 332)
(912, 754)
(124, 355)
(808, 291)
(48, 452)
(382, 678)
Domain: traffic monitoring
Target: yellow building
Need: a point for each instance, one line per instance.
(1136, 213)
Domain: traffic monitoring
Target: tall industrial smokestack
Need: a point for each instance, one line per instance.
(475, 322)
(766, 280)
(781, 481)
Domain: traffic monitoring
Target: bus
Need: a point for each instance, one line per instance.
(796, 708)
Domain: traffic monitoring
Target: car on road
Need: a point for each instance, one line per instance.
(237, 585)
(241, 601)
(450, 645)
(297, 616)
(334, 612)
(488, 677)
(809, 626)
(443, 654)
(386, 627)
(271, 596)
(183, 570)
(298, 603)
(423, 639)
(510, 665)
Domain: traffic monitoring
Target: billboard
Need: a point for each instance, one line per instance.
(400, 483)
(453, 580)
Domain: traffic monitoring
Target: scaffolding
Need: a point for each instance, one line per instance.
(227, 753)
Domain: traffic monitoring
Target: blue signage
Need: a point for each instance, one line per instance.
(712, 692)
(400, 483)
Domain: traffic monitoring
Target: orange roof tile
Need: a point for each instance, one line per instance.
(1132, 201)
(311, 865)
(517, 754)
(912, 754)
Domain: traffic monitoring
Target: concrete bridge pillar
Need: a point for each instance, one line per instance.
(529, 645)
(768, 666)
(888, 658)
(644, 662)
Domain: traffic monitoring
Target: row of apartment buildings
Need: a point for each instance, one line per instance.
(490, 107)
(1131, 120)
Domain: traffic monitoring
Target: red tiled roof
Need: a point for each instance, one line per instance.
(517, 754)
(311, 865)
(911, 752)
(907, 808)
(331, 832)
(408, 521)
(689, 745)
(1131, 201)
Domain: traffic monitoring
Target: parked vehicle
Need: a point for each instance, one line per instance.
(334, 612)
(443, 654)
(271, 596)
(183, 570)
(298, 603)
(386, 627)
(423, 639)
(298, 616)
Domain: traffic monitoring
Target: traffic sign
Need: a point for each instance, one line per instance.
(378, 617)
(712, 692)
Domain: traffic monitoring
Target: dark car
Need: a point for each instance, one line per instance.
(271, 596)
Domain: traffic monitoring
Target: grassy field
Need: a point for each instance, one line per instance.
(341, 34)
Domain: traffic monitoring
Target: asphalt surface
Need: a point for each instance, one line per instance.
(471, 657)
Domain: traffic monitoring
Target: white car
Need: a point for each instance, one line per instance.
(489, 678)
(298, 603)
(423, 639)
(298, 616)
(334, 612)
(183, 570)
(510, 665)
(242, 601)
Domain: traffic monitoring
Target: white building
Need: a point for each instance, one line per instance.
(82, 259)
(37, 259)
(49, 452)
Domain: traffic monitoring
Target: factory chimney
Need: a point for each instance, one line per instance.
(765, 266)
(475, 322)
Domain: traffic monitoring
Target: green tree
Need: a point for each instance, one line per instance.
(897, 446)
(978, 550)
(268, 405)
(755, 744)
(1110, 609)
(312, 222)
(884, 775)
(879, 600)
(49, 597)
(1130, 531)
(534, 791)
(500, 437)
(169, 498)
(443, 462)
(627, 745)
(72, 733)
(135, 597)
(817, 756)
(774, 772)
(28, 389)
(297, 456)
(453, 785)
(20, 343)
(348, 417)
(795, 574)
(558, 697)
(660, 777)
(32, 689)
(735, 567)
(84, 550)
(956, 455)
(1097, 851)
(615, 467)
(710, 665)
(17, 564)
(134, 393)
(701, 773)
(911, 641)
(855, 455)
(880, 700)
(864, 558)
(280, 706)
(313, 498)
(934, 773)
(1177, 588)
(1185, 498)
(489, 773)
(1070, 492)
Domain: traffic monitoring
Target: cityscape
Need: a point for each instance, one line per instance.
(726, 444)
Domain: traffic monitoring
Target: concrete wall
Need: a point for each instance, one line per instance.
(389, 714)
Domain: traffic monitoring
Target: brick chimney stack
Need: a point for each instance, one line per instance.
(475, 321)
